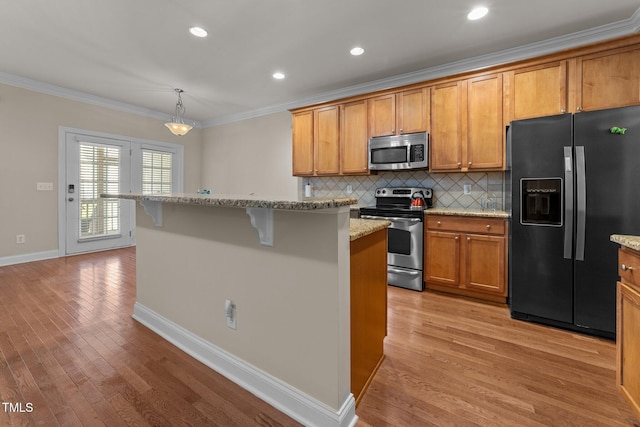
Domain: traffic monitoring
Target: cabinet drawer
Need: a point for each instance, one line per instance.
(466, 224)
(631, 260)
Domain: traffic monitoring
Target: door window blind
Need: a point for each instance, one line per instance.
(99, 174)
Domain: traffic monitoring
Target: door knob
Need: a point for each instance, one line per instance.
(626, 268)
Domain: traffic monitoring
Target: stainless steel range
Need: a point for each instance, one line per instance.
(404, 207)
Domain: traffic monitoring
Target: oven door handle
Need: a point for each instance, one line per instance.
(391, 218)
(405, 272)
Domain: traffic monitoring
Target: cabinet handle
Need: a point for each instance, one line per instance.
(459, 164)
(563, 111)
(393, 131)
(468, 239)
(439, 223)
(456, 238)
(400, 130)
(488, 226)
(625, 268)
(469, 163)
(579, 109)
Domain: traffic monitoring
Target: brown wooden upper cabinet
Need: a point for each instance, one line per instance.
(398, 113)
(608, 79)
(326, 137)
(331, 140)
(354, 138)
(302, 134)
(535, 91)
(467, 130)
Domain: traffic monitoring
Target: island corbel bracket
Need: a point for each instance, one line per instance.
(262, 220)
(154, 209)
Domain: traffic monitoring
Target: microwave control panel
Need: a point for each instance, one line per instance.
(417, 153)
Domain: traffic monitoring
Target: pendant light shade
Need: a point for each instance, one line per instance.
(178, 126)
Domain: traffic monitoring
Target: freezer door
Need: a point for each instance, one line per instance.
(540, 276)
(612, 203)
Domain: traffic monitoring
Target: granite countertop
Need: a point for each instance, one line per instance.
(239, 201)
(363, 227)
(468, 212)
(632, 242)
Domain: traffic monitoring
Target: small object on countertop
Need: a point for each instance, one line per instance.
(618, 130)
(204, 192)
(307, 190)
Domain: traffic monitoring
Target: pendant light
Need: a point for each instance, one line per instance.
(178, 126)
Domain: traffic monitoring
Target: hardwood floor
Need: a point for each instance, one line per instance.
(70, 354)
(452, 361)
(70, 350)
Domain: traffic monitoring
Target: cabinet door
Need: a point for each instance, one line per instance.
(442, 258)
(303, 143)
(448, 126)
(413, 110)
(485, 133)
(353, 132)
(484, 268)
(382, 115)
(535, 91)
(607, 80)
(327, 141)
(628, 345)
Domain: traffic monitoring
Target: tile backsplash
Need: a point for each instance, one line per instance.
(486, 188)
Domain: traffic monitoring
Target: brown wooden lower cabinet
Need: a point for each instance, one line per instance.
(628, 328)
(467, 256)
(368, 308)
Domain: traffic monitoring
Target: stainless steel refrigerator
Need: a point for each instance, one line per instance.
(572, 181)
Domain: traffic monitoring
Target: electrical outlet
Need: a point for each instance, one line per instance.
(230, 313)
(20, 239)
(44, 186)
(349, 189)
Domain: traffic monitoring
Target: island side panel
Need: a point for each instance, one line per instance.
(292, 299)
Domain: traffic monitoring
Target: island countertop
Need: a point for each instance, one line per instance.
(363, 227)
(238, 201)
(632, 242)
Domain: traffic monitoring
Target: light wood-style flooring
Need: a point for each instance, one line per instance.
(69, 347)
(452, 361)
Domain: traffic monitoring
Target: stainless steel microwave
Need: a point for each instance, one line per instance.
(397, 152)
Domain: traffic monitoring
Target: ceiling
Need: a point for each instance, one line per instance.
(132, 54)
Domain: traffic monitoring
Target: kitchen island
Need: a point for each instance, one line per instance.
(628, 319)
(284, 268)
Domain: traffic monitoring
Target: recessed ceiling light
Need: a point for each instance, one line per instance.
(477, 13)
(278, 76)
(198, 31)
(357, 51)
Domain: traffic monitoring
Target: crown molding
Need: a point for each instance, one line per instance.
(593, 35)
(76, 95)
(532, 50)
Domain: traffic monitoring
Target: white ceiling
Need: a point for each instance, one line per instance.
(131, 54)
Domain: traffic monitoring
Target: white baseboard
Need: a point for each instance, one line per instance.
(36, 256)
(280, 395)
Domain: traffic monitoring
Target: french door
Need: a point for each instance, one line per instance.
(96, 166)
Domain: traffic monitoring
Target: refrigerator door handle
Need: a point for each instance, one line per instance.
(568, 203)
(581, 203)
